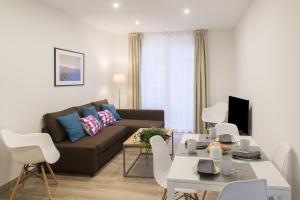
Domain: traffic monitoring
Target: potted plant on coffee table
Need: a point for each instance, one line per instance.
(146, 133)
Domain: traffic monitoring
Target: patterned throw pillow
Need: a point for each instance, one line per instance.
(107, 118)
(91, 125)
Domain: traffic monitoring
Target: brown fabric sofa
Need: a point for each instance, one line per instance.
(89, 154)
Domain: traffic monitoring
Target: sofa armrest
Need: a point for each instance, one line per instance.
(155, 115)
(76, 159)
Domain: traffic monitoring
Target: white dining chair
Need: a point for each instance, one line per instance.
(161, 165)
(215, 114)
(281, 159)
(32, 150)
(227, 128)
(245, 190)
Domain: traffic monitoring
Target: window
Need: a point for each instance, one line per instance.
(167, 77)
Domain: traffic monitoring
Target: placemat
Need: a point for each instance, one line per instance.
(244, 172)
(183, 151)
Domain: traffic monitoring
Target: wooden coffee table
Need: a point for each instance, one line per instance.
(133, 142)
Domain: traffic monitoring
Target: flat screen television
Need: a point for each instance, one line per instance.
(238, 113)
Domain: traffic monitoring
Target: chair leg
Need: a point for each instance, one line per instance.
(25, 173)
(12, 194)
(51, 172)
(204, 194)
(46, 181)
(196, 196)
(164, 195)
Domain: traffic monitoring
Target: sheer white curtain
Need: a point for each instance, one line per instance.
(167, 76)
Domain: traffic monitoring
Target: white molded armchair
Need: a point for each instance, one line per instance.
(31, 150)
(282, 158)
(161, 165)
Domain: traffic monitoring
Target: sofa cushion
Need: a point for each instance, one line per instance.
(155, 115)
(98, 104)
(101, 141)
(57, 132)
(72, 125)
(134, 124)
(86, 111)
(80, 108)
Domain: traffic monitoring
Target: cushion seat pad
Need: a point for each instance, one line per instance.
(102, 141)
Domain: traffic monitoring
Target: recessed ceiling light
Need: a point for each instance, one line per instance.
(116, 5)
(186, 11)
(137, 22)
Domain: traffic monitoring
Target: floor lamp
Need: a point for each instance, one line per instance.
(119, 79)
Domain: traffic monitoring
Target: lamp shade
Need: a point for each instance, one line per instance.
(119, 78)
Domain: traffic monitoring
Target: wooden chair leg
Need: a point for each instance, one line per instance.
(186, 196)
(204, 194)
(22, 180)
(12, 194)
(196, 196)
(164, 195)
(51, 172)
(46, 181)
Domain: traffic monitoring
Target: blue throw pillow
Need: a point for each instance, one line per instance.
(72, 125)
(112, 109)
(91, 111)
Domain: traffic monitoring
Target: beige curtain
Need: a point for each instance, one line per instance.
(200, 79)
(134, 66)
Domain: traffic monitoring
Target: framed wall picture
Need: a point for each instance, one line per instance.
(68, 67)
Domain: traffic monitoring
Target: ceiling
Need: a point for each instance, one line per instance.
(154, 15)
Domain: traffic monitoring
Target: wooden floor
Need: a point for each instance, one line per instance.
(108, 184)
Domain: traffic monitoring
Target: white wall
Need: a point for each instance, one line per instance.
(29, 32)
(268, 69)
(221, 65)
(119, 56)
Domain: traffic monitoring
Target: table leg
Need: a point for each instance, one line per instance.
(124, 165)
(172, 145)
(147, 158)
(170, 190)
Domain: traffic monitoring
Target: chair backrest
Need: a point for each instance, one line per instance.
(281, 158)
(11, 139)
(215, 114)
(21, 149)
(161, 160)
(245, 190)
(227, 128)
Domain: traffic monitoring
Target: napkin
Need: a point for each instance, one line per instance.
(206, 166)
(254, 155)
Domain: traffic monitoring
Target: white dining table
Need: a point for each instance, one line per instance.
(182, 174)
